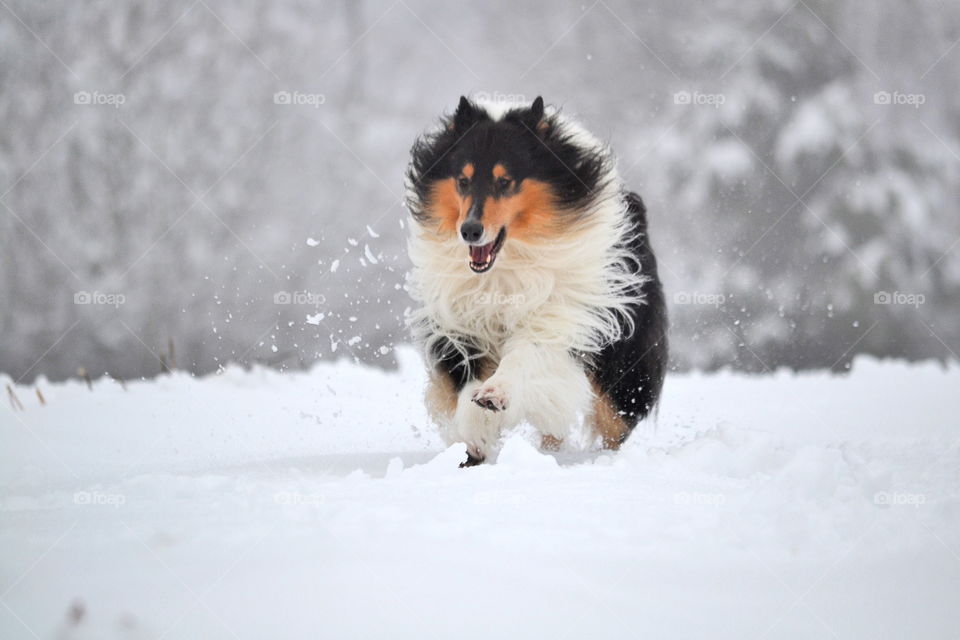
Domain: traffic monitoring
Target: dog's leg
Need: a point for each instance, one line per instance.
(452, 383)
(550, 443)
(478, 426)
(542, 384)
(471, 460)
(459, 419)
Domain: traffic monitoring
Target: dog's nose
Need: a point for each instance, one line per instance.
(471, 230)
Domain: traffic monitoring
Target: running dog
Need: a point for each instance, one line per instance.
(537, 289)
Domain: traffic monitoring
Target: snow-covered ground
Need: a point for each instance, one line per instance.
(321, 504)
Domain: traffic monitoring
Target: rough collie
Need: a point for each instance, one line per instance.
(537, 290)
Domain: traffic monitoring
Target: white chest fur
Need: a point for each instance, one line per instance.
(573, 291)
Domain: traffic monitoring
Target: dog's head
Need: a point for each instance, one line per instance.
(487, 180)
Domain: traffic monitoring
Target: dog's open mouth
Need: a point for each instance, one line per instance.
(482, 256)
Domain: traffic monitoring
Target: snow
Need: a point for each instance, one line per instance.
(729, 160)
(254, 504)
(819, 125)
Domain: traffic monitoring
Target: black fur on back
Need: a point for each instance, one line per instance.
(630, 371)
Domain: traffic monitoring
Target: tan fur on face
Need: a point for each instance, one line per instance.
(528, 213)
(447, 206)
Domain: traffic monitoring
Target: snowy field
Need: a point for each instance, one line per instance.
(322, 505)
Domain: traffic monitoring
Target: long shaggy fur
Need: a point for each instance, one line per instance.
(573, 295)
(583, 285)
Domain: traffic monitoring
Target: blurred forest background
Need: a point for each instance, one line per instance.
(197, 182)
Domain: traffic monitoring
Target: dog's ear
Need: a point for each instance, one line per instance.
(465, 115)
(534, 117)
(536, 110)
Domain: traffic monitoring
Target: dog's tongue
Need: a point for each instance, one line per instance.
(480, 255)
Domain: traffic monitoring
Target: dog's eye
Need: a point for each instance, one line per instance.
(503, 183)
(464, 182)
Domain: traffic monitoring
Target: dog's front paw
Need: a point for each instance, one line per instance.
(490, 396)
(475, 456)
